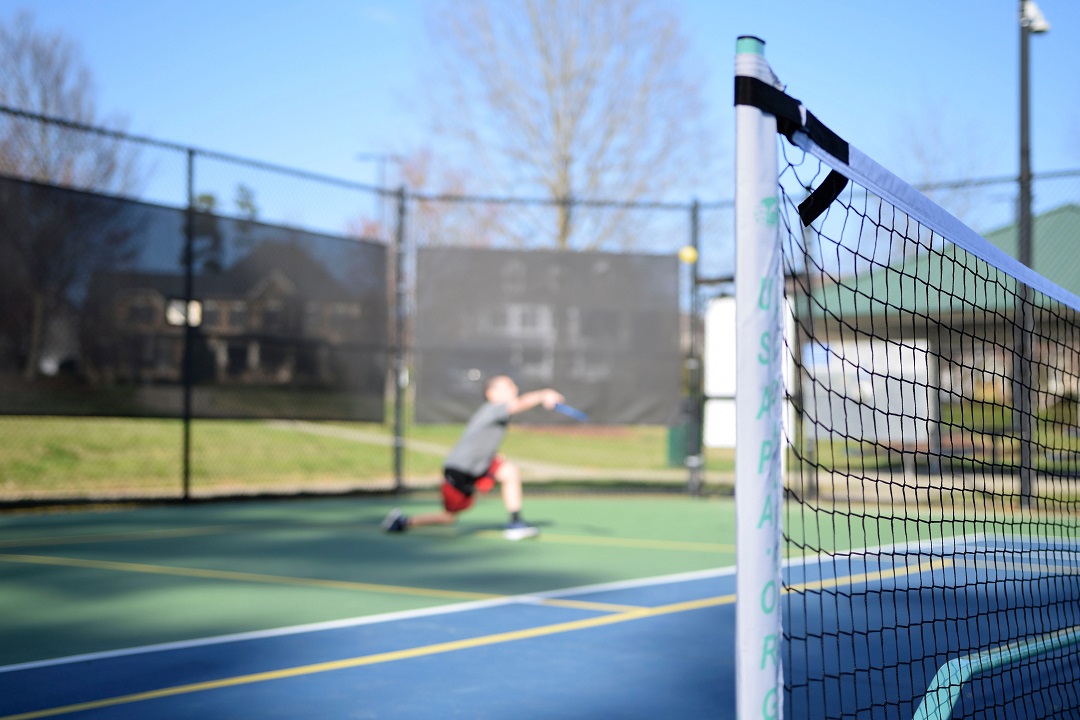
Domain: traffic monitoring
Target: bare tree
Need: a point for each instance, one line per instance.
(440, 212)
(438, 215)
(570, 100)
(52, 241)
(44, 73)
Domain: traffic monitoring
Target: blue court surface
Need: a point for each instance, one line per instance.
(966, 627)
(640, 649)
(958, 627)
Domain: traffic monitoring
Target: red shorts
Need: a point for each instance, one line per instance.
(455, 500)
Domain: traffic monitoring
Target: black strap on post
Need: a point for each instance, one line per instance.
(820, 199)
(789, 114)
(792, 117)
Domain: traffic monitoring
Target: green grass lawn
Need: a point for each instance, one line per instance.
(56, 455)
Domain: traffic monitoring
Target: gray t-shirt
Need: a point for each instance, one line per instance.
(480, 441)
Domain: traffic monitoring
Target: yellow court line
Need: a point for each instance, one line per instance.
(361, 661)
(988, 566)
(866, 578)
(436, 649)
(111, 537)
(624, 542)
(286, 580)
(244, 577)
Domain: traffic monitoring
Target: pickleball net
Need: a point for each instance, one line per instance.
(929, 448)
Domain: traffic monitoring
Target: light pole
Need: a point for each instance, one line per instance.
(1031, 21)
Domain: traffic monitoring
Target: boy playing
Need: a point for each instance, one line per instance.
(473, 464)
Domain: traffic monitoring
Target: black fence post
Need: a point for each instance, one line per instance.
(400, 377)
(694, 459)
(1023, 389)
(189, 330)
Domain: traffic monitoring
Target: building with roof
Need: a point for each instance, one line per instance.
(919, 348)
(276, 316)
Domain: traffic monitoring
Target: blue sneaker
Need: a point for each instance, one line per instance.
(396, 521)
(519, 530)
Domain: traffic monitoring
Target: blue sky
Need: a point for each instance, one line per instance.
(313, 84)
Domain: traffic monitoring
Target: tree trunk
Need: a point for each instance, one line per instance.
(565, 227)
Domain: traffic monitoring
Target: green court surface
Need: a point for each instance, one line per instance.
(95, 581)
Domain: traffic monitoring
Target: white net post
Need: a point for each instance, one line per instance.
(759, 400)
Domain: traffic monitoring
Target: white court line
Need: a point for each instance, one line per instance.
(922, 547)
(526, 598)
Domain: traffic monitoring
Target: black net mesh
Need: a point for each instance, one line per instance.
(932, 464)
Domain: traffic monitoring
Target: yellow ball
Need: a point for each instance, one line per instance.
(688, 254)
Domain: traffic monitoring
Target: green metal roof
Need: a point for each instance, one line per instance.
(937, 284)
(1055, 241)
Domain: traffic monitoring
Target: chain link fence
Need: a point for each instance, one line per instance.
(163, 309)
(177, 323)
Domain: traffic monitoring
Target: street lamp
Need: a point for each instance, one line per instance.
(1031, 21)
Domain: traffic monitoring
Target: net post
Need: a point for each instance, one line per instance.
(759, 400)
